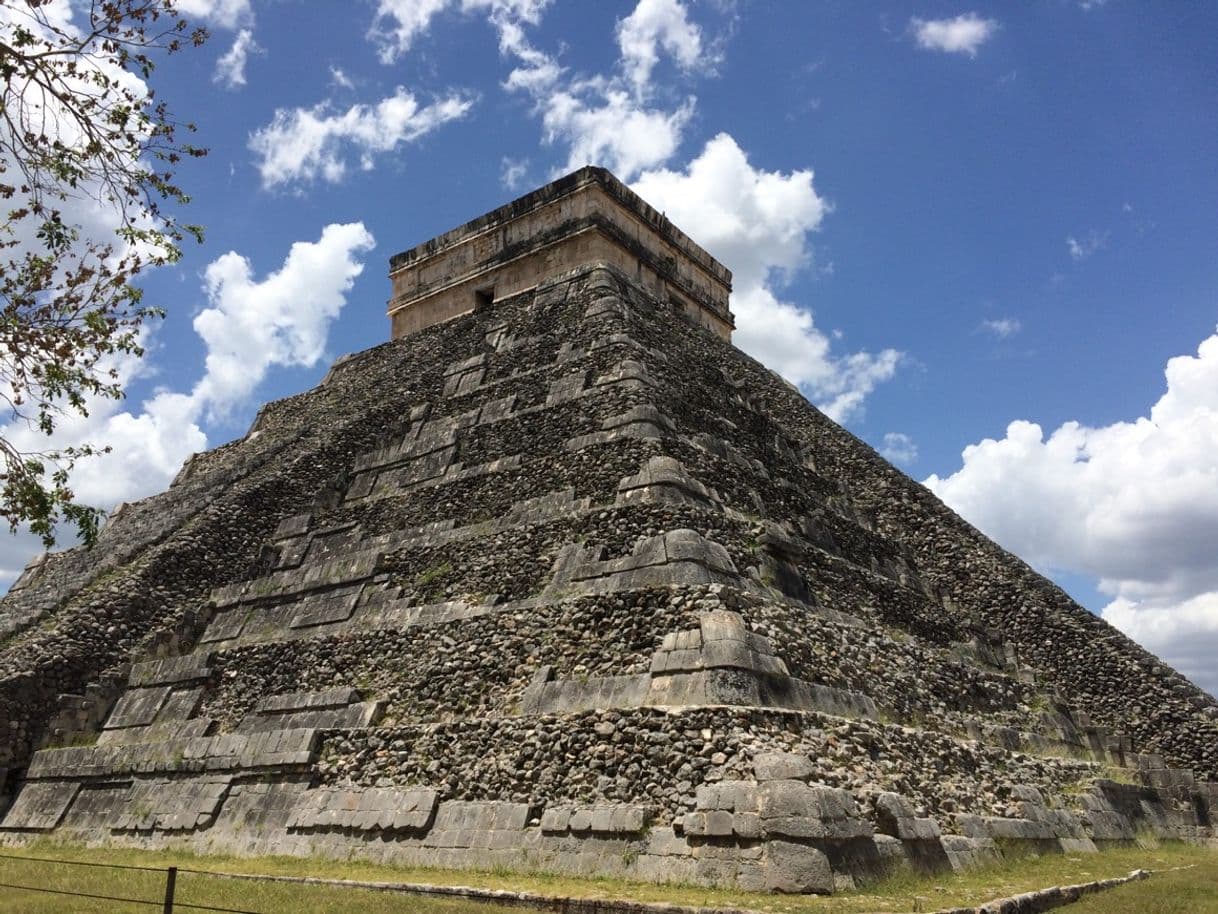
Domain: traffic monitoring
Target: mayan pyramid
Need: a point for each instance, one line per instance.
(560, 579)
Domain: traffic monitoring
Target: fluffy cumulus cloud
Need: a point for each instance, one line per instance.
(963, 34)
(613, 131)
(757, 222)
(301, 145)
(656, 25)
(249, 327)
(1134, 504)
(252, 325)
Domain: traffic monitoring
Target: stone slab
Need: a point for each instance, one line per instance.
(40, 807)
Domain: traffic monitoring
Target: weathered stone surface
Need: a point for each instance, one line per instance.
(782, 766)
(796, 869)
(40, 807)
(568, 579)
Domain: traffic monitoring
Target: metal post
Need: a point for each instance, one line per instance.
(171, 878)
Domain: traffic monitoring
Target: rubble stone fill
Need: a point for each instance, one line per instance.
(567, 582)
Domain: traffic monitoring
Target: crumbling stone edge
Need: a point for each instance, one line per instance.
(1025, 903)
(1050, 898)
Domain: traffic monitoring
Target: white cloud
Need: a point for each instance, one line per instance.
(1134, 504)
(249, 327)
(304, 144)
(340, 79)
(225, 14)
(281, 320)
(398, 22)
(230, 68)
(1002, 327)
(656, 25)
(962, 35)
(513, 173)
(613, 132)
(1090, 243)
(757, 223)
(899, 448)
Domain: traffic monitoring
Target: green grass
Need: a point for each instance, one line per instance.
(1185, 880)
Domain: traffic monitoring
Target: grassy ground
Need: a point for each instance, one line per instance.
(1185, 880)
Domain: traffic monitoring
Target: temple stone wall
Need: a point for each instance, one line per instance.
(587, 217)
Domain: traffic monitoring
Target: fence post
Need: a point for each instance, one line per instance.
(171, 878)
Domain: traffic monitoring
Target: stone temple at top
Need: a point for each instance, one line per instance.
(558, 579)
(587, 217)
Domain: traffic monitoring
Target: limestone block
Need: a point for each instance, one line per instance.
(690, 546)
(40, 806)
(497, 410)
(730, 687)
(693, 824)
(781, 766)
(790, 808)
(460, 815)
(180, 705)
(371, 809)
(568, 387)
(796, 869)
(663, 480)
(301, 701)
(170, 806)
(137, 708)
(795, 810)
(628, 819)
(718, 823)
(325, 609)
(1017, 829)
(556, 819)
(171, 670)
(289, 527)
(967, 853)
(225, 625)
(746, 824)
(464, 365)
(466, 382)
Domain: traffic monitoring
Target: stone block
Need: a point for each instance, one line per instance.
(290, 527)
(746, 824)
(602, 819)
(693, 823)
(796, 869)
(782, 766)
(628, 819)
(301, 701)
(555, 820)
(137, 708)
(171, 670)
(719, 823)
(722, 625)
(40, 806)
(226, 624)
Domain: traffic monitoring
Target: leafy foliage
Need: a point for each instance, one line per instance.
(83, 141)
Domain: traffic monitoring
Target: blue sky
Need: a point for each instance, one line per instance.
(981, 226)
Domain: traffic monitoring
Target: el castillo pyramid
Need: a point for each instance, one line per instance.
(559, 579)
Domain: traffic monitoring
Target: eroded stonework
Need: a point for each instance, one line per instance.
(569, 583)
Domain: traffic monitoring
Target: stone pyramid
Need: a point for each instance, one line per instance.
(560, 579)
